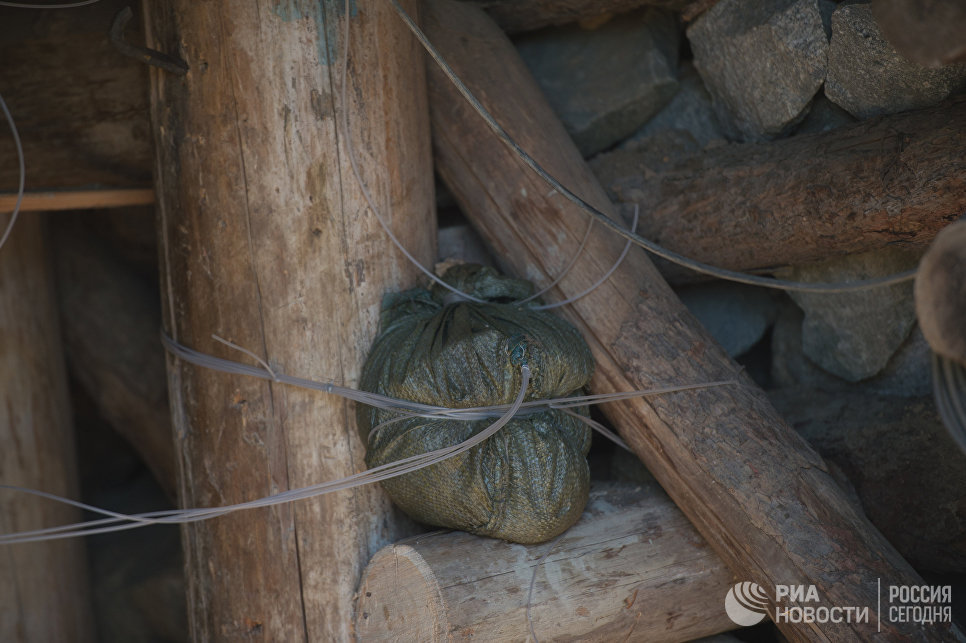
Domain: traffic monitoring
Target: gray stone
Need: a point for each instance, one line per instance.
(762, 61)
(790, 366)
(853, 334)
(823, 116)
(866, 75)
(908, 373)
(654, 154)
(908, 472)
(736, 315)
(690, 110)
(462, 243)
(606, 83)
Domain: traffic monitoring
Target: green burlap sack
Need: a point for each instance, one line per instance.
(528, 482)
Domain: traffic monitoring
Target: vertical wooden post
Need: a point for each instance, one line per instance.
(266, 241)
(43, 586)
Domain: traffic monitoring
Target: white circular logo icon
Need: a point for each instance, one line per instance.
(746, 603)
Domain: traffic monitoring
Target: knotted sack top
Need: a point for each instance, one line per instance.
(527, 482)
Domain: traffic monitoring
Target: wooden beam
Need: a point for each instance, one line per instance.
(890, 181)
(77, 199)
(632, 565)
(80, 106)
(759, 495)
(110, 320)
(266, 241)
(44, 595)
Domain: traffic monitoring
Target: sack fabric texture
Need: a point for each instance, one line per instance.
(528, 482)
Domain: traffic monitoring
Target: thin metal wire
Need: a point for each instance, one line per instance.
(118, 521)
(650, 246)
(29, 5)
(23, 172)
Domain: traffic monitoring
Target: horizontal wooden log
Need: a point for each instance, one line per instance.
(632, 565)
(895, 180)
(77, 199)
(760, 496)
(110, 319)
(80, 106)
(516, 16)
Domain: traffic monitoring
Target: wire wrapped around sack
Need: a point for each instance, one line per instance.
(527, 483)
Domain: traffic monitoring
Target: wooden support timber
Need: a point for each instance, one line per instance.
(633, 567)
(44, 595)
(266, 241)
(752, 487)
(890, 181)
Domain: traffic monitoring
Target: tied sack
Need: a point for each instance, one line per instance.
(528, 482)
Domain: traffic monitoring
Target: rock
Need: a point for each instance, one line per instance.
(823, 116)
(866, 75)
(654, 154)
(606, 83)
(690, 110)
(908, 473)
(462, 242)
(854, 334)
(736, 315)
(762, 61)
(905, 375)
(908, 372)
(790, 366)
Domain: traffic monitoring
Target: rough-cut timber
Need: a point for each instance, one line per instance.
(266, 241)
(44, 594)
(80, 106)
(515, 16)
(895, 180)
(753, 488)
(110, 318)
(632, 567)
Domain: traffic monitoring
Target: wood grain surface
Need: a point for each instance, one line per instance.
(632, 568)
(44, 594)
(266, 241)
(890, 181)
(760, 496)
